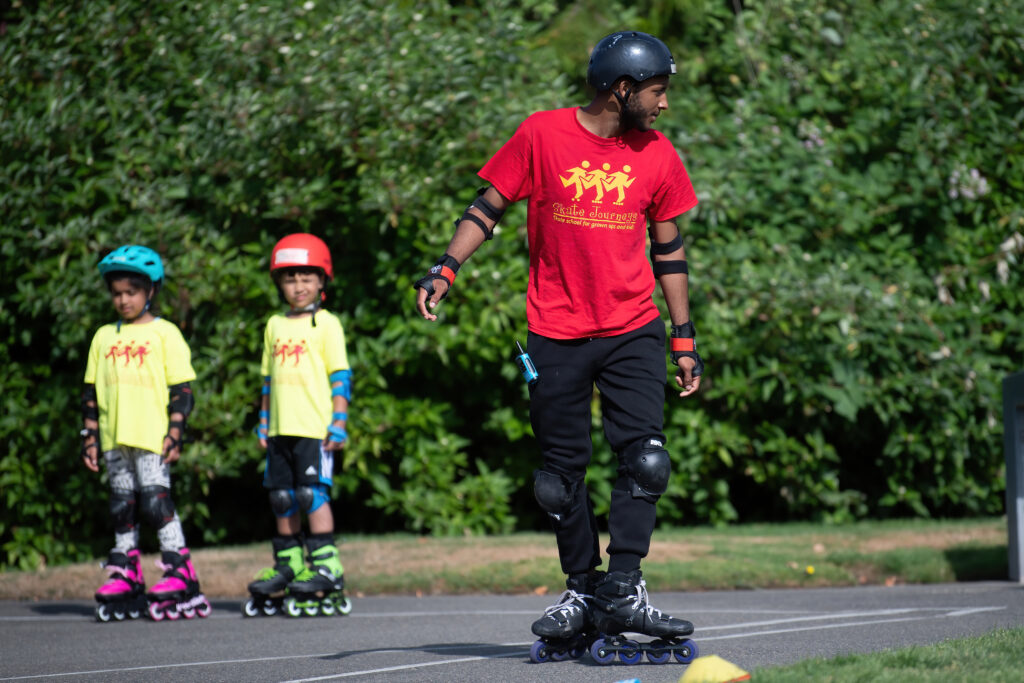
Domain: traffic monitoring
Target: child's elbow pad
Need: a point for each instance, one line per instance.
(182, 400)
(345, 388)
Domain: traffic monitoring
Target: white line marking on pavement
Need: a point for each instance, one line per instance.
(948, 612)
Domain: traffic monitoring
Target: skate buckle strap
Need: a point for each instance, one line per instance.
(114, 570)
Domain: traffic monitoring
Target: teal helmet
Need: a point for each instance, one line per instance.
(133, 258)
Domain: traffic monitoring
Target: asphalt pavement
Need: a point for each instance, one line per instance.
(481, 638)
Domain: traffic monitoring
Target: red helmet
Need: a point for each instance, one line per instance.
(302, 250)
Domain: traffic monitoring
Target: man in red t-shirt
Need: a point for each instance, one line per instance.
(596, 179)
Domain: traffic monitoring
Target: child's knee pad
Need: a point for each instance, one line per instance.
(282, 502)
(156, 506)
(122, 510)
(311, 498)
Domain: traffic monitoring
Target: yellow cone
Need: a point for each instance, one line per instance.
(713, 669)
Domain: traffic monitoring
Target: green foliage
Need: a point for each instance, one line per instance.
(854, 258)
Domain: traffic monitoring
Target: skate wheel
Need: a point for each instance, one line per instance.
(102, 613)
(172, 613)
(204, 609)
(250, 609)
(687, 651)
(576, 652)
(344, 606)
(155, 613)
(600, 654)
(656, 655)
(291, 607)
(119, 615)
(189, 612)
(560, 655)
(269, 609)
(311, 610)
(631, 652)
(539, 652)
(134, 613)
(328, 608)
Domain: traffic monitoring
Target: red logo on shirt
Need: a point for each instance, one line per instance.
(599, 180)
(283, 351)
(128, 351)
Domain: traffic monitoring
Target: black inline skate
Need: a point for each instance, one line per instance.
(320, 589)
(124, 593)
(621, 605)
(566, 629)
(177, 594)
(269, 589)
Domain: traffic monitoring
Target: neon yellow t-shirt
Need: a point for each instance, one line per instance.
(132, 370)
(299, 359)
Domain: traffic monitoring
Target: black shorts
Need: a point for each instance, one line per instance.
(297, 461)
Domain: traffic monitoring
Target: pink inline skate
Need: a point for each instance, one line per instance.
(123, 595)
(177, 594)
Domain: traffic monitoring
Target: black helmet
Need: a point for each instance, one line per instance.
(628, 53)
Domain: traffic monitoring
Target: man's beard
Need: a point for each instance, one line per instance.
(633, 117)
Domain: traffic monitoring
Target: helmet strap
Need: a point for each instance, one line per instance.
(312, 308)
(623, 99)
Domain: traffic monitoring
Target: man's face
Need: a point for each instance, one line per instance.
(645, 103)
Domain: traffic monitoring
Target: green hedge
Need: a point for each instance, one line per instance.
(854, 259)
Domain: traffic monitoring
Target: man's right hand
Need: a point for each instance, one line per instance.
(431, 298)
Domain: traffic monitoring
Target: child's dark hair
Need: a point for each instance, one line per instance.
(136, 280)
(297, 270)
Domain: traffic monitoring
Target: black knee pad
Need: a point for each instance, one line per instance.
(282, 502)
(122, 510)
(648, 468)
(156, 506)
(553, 493)
(310, 498)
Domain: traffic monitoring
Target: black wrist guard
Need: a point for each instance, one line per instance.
(684, 345)
(85, 434)
(180, 424)
(445, 269)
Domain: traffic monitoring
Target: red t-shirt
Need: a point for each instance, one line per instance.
(589, 202)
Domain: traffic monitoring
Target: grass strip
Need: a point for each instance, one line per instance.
(994, 656)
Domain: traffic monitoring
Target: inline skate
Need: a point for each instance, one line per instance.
(320, 589)
(123, 595)
(621, 605)
(177, 594)
(269, 589)
(566, 629)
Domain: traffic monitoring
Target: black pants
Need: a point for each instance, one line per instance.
(629, 371)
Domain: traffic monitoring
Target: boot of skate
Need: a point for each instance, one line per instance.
(570, 615)
(125, 580)
(325, 573)
(287, 565)
(177, 593)
(621, 604)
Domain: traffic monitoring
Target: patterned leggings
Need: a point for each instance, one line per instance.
(130, 471)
